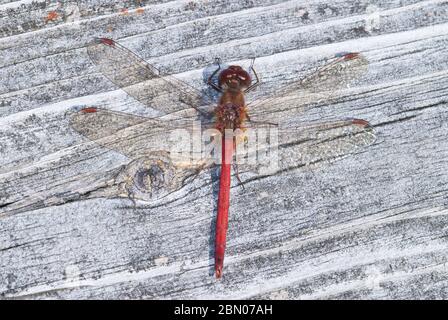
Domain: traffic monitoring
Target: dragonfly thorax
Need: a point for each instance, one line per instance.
(229, 116)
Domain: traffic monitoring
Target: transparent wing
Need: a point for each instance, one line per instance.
(320, 85)
(136, 136)
(141, 80)
(267, 149)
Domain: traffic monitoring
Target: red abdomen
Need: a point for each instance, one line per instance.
(222, 218)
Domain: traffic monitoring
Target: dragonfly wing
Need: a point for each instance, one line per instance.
(164, 156)
(320, 85)
(268, 148)
(141, 80)
(97, 123)
(136, 136)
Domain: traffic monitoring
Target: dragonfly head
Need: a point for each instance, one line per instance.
(234, 77)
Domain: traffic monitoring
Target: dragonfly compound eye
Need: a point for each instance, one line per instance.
(234, 75)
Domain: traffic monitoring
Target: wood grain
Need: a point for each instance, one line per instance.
(371, 225)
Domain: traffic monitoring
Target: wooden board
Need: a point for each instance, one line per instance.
(371, 225)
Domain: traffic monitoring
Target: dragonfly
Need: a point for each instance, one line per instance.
(159, 168)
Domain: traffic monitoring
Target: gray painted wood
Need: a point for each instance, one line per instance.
(371, 225)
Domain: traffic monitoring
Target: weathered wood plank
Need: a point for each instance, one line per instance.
(42, 73)
(371, 225)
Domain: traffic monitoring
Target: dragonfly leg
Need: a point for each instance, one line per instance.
(210, 79)
(257, 79)
(237, 175)
(235, 168)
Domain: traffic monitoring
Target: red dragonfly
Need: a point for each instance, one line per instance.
(158, 170)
